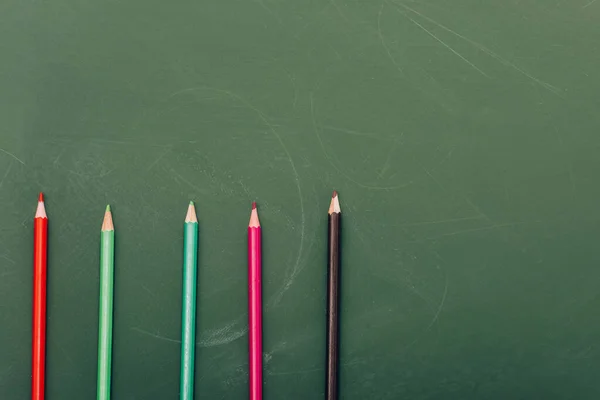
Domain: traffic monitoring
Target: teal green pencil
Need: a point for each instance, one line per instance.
(107, 260)
(188, 312)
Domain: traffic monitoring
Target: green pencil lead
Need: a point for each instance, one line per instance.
(108, 208)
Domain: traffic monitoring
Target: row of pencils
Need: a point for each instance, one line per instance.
(188, 316)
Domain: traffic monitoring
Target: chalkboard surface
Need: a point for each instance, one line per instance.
(462, 136)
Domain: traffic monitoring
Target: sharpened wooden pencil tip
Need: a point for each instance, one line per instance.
(254, 221)
(334, 206)
(41, 197)
(191, 213)
(40, 212)
(107, 223)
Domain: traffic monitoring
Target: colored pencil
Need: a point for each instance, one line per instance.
(40, 248)
(188, 312)
(255, 305)
(107, 266)
(333, 299)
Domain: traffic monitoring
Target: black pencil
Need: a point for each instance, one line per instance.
(333, 298)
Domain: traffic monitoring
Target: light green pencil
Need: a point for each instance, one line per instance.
(188, 308)
(107, 266)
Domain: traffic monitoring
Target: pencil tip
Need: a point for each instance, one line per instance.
(254, 221)
(334, 206)
(40, 212)
(107, 223)
(191, 213)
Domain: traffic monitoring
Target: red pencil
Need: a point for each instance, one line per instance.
(255, 305)
(40, 237)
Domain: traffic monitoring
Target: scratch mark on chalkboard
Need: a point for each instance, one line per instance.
(12, 155)
(386, 165)
(469, 202)
(268, 355)
(589, 4)
(157, 160)
(81, 175)
(328, 158)
(298, 372)
(337, 54)
(489, 52)
(406, 283)
(105, 173)
(245, 188)
(267, 9)
(221, 336)
(359, 234)
(568, 165)
(355, 132)
(485, 228)
(442, 221)
(334, 3)
(7, 273)
(441, 306)
(154, 335)
(6, 373)
(6, 174)
(385, 46)
(58, 157)
(79, 186)
(309, 23)
(478, 210)
(292, 79)
(445, 45)
(215, 337)
(153, 389)
(179, 176)
(313, 370)
(147, 290)
(7, 259)
(296, 269)
(295, 86)
(126, 143)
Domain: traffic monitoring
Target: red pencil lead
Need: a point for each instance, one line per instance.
(254, 205)
(334, 194)
(41, 197)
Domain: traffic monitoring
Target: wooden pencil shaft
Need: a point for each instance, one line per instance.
(188, 313)
(255, 313)
(105, 314)
(39, 308)
(333, 296)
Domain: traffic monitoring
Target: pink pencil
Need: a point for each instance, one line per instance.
(255, 305)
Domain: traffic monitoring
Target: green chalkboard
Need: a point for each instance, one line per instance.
(462, 136)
